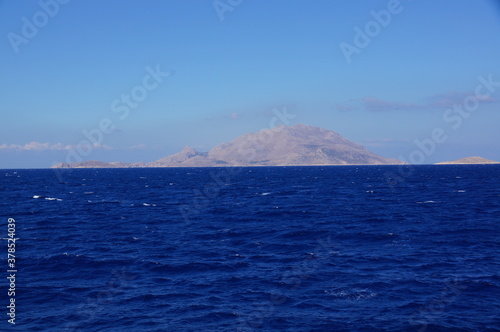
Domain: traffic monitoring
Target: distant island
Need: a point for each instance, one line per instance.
(299, 145)
(469, 160)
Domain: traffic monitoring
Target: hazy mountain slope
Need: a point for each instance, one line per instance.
(279, 146)
(297, 145)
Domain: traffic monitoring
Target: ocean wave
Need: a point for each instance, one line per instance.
(312, 255)
(354, 294)
(47, 198)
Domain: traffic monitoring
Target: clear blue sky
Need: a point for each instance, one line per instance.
(231, 66)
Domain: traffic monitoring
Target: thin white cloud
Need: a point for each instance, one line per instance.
(225, 116)
(437, 101)
(138, 147)
(38, 146)
(375, 104)
(449, 99)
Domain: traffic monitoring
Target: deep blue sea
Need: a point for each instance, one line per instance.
(340, 248)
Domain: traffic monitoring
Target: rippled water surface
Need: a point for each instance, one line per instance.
(373, 248)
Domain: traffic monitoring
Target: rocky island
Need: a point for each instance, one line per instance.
(469, 161)
(299, 145)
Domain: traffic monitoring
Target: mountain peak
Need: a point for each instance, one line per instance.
(187, 153)
(304, 126)
(188, 150)
(294, 145)
(298, 145)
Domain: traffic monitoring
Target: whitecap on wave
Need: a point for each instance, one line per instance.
(47, 198)
(53, 199)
